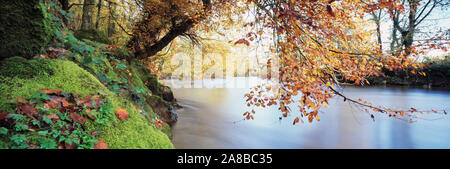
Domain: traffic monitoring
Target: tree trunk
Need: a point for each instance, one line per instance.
(394, 42)
(86, 20)
(65, 7)
(99, 9)
(175, 31)
(111, 25)
(377, 19)
(408, 36)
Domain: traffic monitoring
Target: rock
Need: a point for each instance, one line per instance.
(167, 94)
(165, 111)
(25, 28)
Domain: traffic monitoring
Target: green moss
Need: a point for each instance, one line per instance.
(146, 76)
(167, 130)
(93, 35)
(24, 68)
(136, 132)
(25, 28)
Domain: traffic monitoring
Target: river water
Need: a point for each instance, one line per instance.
(211, 118)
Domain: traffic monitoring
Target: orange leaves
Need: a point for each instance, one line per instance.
(248, 115)
(122, 113)
(51, 104)
(242, 41)
(49, 91)
(296, 120)
(101, 145)
(159, 123)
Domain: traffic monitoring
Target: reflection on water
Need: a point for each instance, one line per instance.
(206, 121)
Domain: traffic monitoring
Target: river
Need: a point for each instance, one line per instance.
(211, 118)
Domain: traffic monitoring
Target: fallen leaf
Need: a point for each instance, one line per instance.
(51, 104)
(26, 109)
(50, 91)
(63, 101)
(101, 145)
(77, 118)
(3, 114)
(89, 101)
(20, 99)
(122, 113)
(91, 114)
(70, 146)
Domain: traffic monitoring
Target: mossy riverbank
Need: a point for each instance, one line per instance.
(19, 77)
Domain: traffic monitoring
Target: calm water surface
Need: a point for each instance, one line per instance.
(208, 115)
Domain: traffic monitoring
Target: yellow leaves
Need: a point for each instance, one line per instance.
(325, 104)
(310, 118)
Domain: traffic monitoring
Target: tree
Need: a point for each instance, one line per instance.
(311, 39)
(175, 22)
(310, 42)
(99, 9)
(111, 25)
(377, 17)
(88, 10)
(415, 11)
